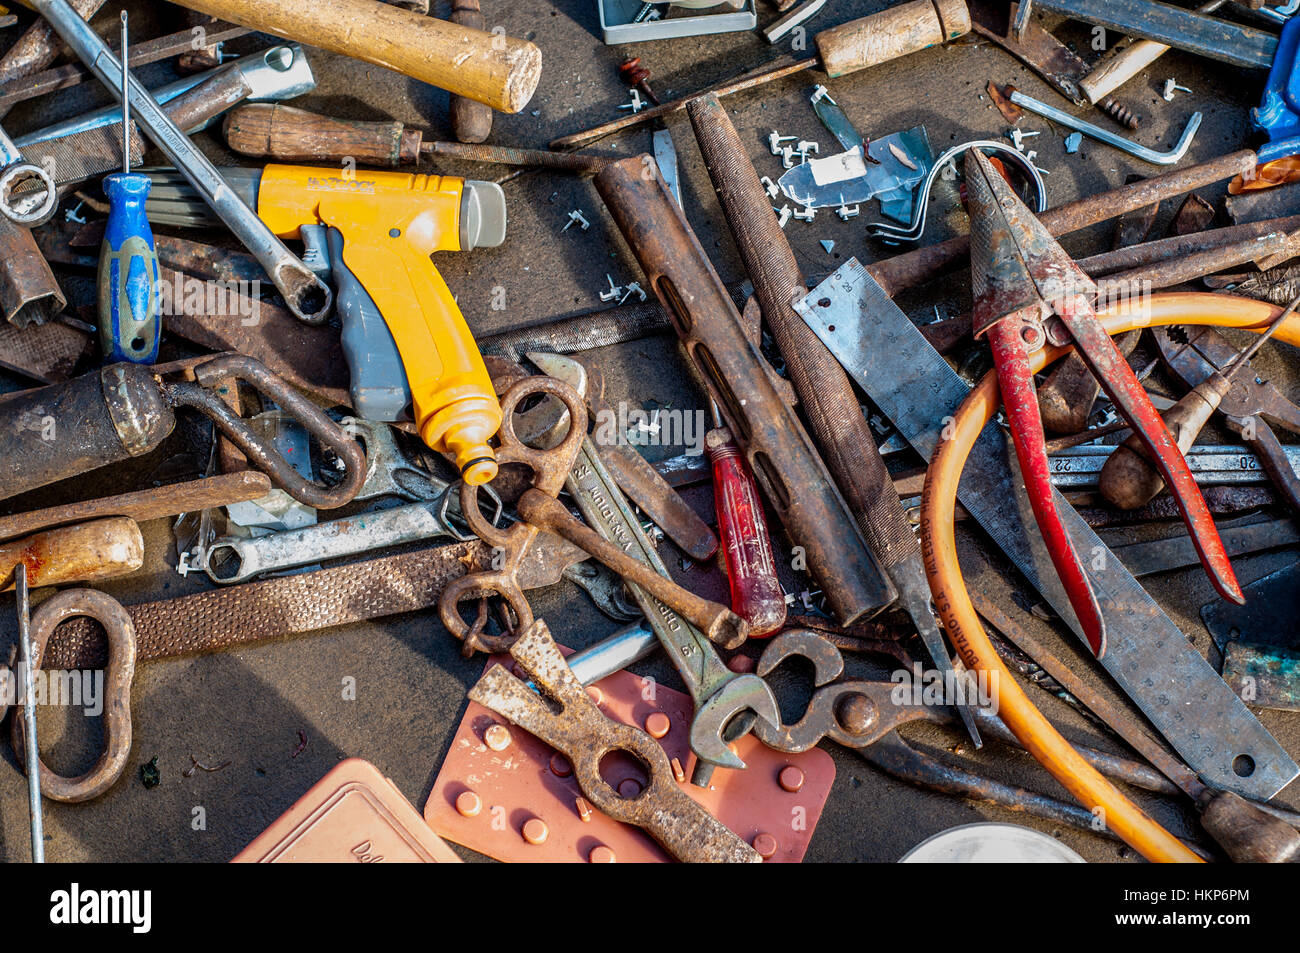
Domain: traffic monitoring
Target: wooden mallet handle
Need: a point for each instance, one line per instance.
(489, 68)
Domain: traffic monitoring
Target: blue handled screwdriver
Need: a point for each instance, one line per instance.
(129, 326)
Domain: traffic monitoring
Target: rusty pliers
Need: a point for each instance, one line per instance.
(854, 712)
(1028, 293)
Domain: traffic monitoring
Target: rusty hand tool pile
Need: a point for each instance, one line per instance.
(325, 439)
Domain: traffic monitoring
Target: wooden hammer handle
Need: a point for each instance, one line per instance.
(489, 68)
(81, 553)
(891, 33)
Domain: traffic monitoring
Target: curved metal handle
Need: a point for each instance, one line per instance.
(550, 467)
(483, 584)
(260, 454)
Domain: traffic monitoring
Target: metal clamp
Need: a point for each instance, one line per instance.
(260, 454)
(120, 630)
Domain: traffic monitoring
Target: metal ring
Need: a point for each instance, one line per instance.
(33, 206)
(120, 630)
(916, 228)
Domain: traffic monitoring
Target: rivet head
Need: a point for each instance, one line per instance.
(766, 845)
(791, 779)
(601, 855)
(856, 712)
(535, 831)
(468, 804)
(657, 724)
(560, 766)
(497, 737)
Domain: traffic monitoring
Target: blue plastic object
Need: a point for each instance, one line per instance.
(129, 325)
(1278, 112)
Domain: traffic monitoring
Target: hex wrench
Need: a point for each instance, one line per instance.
(309, 298)
(1105, 135)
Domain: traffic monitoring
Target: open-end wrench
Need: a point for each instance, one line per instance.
(719, 693)
(309, 298)
(388, 472)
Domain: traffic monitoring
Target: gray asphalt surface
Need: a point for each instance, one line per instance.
(248, 706)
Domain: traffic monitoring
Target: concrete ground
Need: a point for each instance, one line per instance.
(248, 707)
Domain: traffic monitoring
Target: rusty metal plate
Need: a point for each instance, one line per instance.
(528, 780)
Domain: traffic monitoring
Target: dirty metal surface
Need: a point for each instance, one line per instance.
(546, 699)
(247, 704)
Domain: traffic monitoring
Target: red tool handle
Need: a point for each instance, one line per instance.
(746, 550)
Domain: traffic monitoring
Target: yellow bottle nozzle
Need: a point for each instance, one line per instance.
(463, 427)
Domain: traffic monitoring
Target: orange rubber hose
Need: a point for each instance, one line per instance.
(952, 600)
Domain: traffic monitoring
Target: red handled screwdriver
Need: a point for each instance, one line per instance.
(746, 550)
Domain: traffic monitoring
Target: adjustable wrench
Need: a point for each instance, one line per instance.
(719, 693)
(304, 293)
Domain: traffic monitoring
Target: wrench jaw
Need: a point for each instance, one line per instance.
(827, 662)
(740, 694)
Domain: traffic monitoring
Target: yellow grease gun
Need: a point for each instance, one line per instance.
(374, 232)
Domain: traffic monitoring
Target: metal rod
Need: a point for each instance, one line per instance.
(33, 755)
(305, 294)
(126, 105)
(1145, 153)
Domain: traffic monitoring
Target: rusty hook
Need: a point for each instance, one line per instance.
(200, 396)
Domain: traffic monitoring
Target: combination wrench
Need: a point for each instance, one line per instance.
(304, 293)
(719, 693)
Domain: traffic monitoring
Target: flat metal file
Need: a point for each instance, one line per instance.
(1150, 659)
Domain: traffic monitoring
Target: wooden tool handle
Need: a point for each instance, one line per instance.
(87, 551)
(295, 135)
(470, 121)
(891, 33)
(497, 70)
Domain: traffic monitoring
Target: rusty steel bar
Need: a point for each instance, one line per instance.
(777, 69)
(912, 268)
(1189, 267)
(779, 452)
(580, 162)
(36, 49)
(1178, 246)
(16, 89)
(893, 755)
(28, 292)
(142, 505)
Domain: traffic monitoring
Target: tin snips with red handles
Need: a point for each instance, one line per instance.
(1028, 293)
